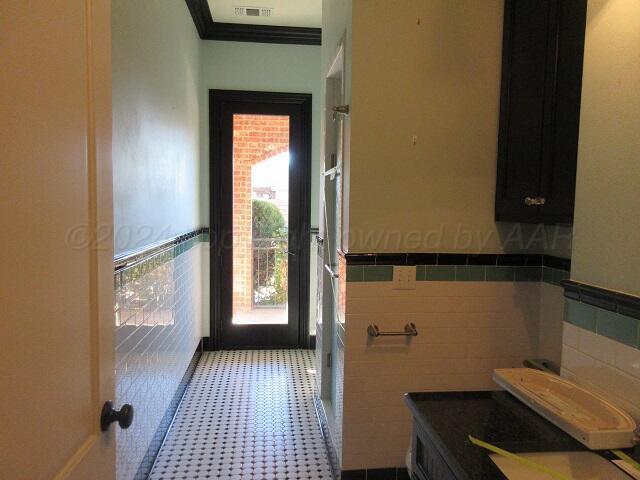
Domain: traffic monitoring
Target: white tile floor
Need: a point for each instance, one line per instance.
(247, 415)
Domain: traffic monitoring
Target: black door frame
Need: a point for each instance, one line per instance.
(219, 102)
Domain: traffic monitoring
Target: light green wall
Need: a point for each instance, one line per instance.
(607, 218)
(261, 67)
(336, 26)
(155, 121)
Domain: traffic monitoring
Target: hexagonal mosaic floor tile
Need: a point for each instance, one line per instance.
(247, 414)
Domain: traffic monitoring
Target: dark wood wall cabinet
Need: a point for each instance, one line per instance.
(543, 47)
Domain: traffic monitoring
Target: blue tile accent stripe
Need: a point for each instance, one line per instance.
(580, 314)
(615, 326)
(609, 313)
(355, 273)
(147, 260)
(460, 273)
(610, 300)
(128, 259)
(378, 267)
(440, 273)
(378, 273)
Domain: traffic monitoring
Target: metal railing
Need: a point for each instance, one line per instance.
(269, 277)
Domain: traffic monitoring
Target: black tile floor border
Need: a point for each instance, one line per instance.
(376, 474)
(161, 432)
(208, 345)
(480, 259)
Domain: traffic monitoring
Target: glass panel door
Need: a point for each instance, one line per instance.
(260, 210)
(260, 219)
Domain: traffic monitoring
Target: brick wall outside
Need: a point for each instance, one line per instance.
(255, 138)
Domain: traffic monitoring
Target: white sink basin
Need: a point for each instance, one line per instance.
(587, 417)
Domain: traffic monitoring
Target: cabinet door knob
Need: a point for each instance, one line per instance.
(124, 416)
(534, 201)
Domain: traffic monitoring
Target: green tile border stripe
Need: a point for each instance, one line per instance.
(378, 267)
(377, 273)
(126, 259)
(618, 327)
(609, 313)
(461, 273)
(145, 264)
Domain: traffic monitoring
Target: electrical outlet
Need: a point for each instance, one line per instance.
(404, 278)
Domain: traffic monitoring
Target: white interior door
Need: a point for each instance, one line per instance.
(56, 279)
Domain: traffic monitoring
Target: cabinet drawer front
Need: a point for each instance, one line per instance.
(428, 464)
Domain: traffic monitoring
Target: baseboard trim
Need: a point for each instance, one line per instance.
(208, 345)
(392, 473)
(159, 437)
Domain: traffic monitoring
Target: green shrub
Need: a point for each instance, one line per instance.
(267, 220)
(269, 257)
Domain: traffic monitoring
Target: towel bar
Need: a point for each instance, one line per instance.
(409, 331)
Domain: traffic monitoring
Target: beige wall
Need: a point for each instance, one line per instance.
(262, 67)
(430, 69)
(607, 219)
(56, 284)
(268, 68)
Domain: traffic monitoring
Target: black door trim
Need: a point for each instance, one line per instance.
(208, 29)
(219, 99)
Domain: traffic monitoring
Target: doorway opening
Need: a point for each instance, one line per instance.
(260, 219)
(334, 213)
(260, 214)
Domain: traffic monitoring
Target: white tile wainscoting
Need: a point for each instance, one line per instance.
(466, 329)
(158, 317)
(610, 368)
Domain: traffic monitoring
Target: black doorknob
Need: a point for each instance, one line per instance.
(124, 416)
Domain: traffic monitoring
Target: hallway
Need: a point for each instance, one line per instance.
(247, 414)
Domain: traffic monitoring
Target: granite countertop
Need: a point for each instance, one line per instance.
(495, 417)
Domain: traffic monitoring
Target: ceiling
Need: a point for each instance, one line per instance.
(290, 13)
